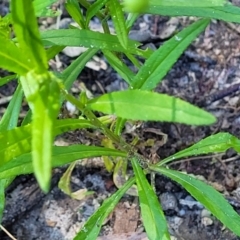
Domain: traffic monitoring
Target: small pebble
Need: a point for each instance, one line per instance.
(206, 221)
(71, 108)
(190, 203)
(205, 213)
(182, 212)
(168, 201)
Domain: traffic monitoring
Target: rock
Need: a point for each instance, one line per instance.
(168, 201)
(206, 221)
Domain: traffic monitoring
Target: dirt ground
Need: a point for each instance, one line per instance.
(207, 75)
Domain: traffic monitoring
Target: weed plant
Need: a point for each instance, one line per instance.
(28, 147)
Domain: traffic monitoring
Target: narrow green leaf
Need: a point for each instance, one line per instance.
(131, 18)
(186, 3)
(206, 195)
(4, 80)
(27, 118)
(26, 29)
(94, 9)
(65, 181)
(87, 5)
(5, 29)
(9, 121)
(10, 117)
(135, 6)
(227, 13)
(119, 66)
(60, 156)
(144, 53)
(134, 60)
(65, 125)
(42, 8)
(53, 51)
(119, 21)
(18, 140)
(152, 214)
(13, 143)
(43, 96)
(216, 143)
(92, 227)
(119, 126)
(86, 38)
(161, 61)
(150, 106)
(12, 58)
(70, 74)
(75, 12)
(108, 161)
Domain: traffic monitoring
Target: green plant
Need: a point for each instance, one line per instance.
(29, 148)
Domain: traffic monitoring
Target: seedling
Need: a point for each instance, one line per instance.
(28, 148)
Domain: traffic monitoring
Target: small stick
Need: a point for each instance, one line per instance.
(195, 158)
(7, 232)
(224, 93)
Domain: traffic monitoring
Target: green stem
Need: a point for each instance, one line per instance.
(101, 16)
(94, 120)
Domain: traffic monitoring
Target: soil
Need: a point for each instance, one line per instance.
(207, 75)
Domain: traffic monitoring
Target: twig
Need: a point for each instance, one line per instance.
(195, 158)
(231, 159)
(223, 93)
(7, 232)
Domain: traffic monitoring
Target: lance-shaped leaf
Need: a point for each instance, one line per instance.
(60, 156)
(70, 74)
(94, 10)
(227, 13)
(17, 141)
(216, 143)
(86, 38)
(161, 61)
(26, 29)
(5, 26)
(43, 96)
(72, 6)
(9, 121)
(92, 227)
(14, 143)
(4, 80)
(53, 51)
(186, 3)
(131, 18)
(152, 214)
(208, 196)
(119, 66)
(117, 15)
(10, 117)
(150, 106)
(12, 58)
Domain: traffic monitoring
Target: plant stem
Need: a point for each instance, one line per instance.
(94, 120)
(99, 14)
